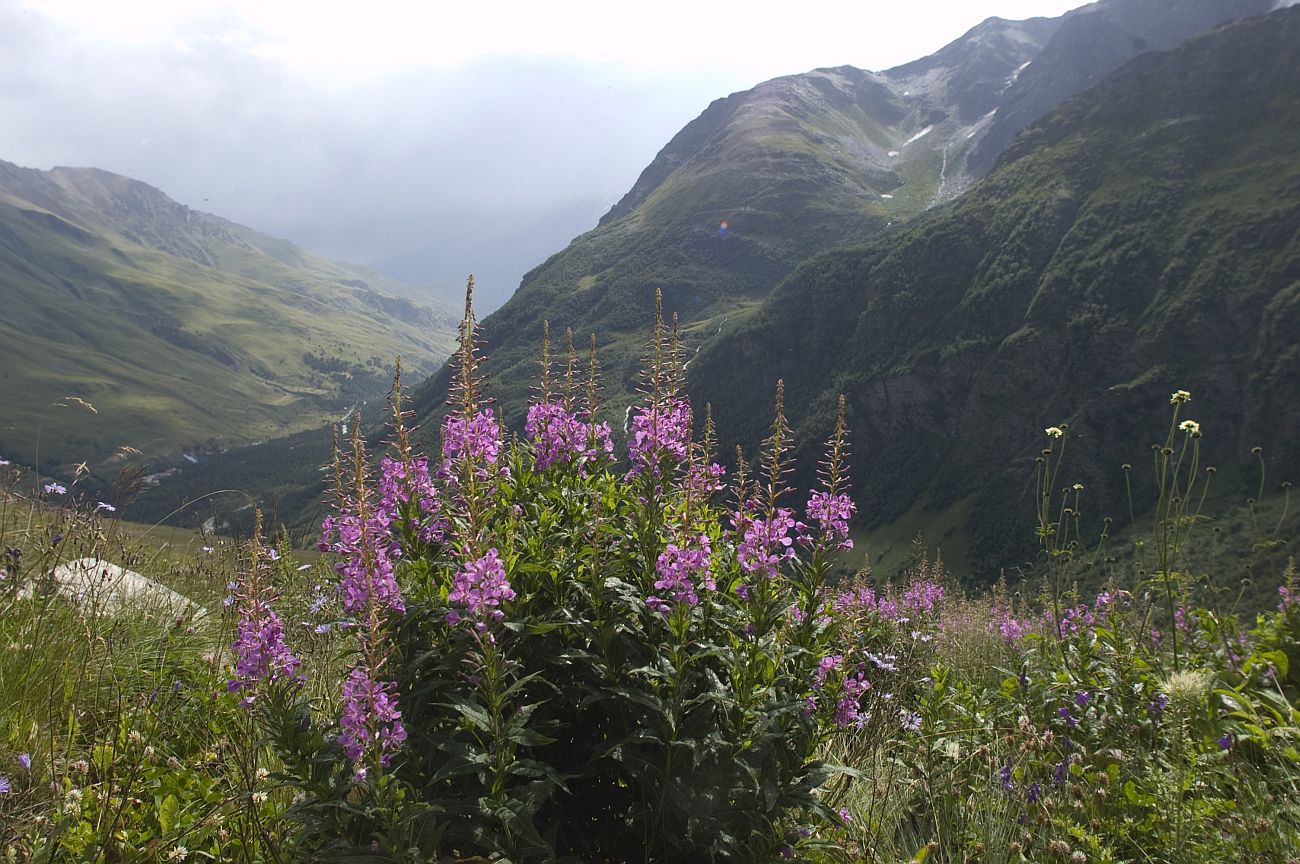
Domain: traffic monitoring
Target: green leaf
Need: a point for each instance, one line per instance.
(169, 812)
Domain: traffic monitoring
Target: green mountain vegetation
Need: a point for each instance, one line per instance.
(181, 329)
(1143, 238)
(765, 178)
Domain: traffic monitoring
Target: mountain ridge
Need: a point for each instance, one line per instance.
(767, 177)
(179, 326)
(1139, 240)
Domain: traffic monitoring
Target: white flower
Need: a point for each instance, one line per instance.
(178, 853)
(1191, 427)
(55, 489)
(1054, 431)
(1180, 396)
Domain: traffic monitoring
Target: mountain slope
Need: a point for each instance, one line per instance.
(181, 328)
(765, 178)
(1143, 238)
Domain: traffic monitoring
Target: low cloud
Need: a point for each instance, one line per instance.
(431, 173)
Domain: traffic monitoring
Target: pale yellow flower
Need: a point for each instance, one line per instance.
(1191, 427)
(1180, 396)
(1054, 431)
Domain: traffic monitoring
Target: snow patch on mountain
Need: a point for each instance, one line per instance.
(919, 135)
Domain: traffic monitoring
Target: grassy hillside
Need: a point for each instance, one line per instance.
(1141, 239)
(182, 330)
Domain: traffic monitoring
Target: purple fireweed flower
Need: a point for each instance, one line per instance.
(658, 431)
(1076, 620)
(766, 542)
(831, 513)
(399, 486)
(370, 724)
(676, 566)
(55, 489)
(845, 816)
(824, 667)
(1011, 629)
(560, 437)
(479, 588)
(261, 654)
(849, 706)
(476, 440)
(1286, 599)
(704, 480)
(922, 596)
(369, 550)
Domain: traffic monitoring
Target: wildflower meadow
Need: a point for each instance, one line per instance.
(588, 644)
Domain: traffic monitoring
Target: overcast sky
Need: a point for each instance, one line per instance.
(429, 139)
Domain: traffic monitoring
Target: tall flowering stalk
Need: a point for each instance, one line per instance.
(831, 507)
(767, 539)
(261, 654)
(659, 436)
(408, 500)
(370, 724)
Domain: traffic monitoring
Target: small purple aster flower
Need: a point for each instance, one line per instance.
(106, 507)
(25, 760)
(55, 489)
(5, 786)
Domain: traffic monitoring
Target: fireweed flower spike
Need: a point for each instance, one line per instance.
(360, 533)
(370, 724)
(408, 500)
(261, 654)
(479, 589)
(830, 508)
